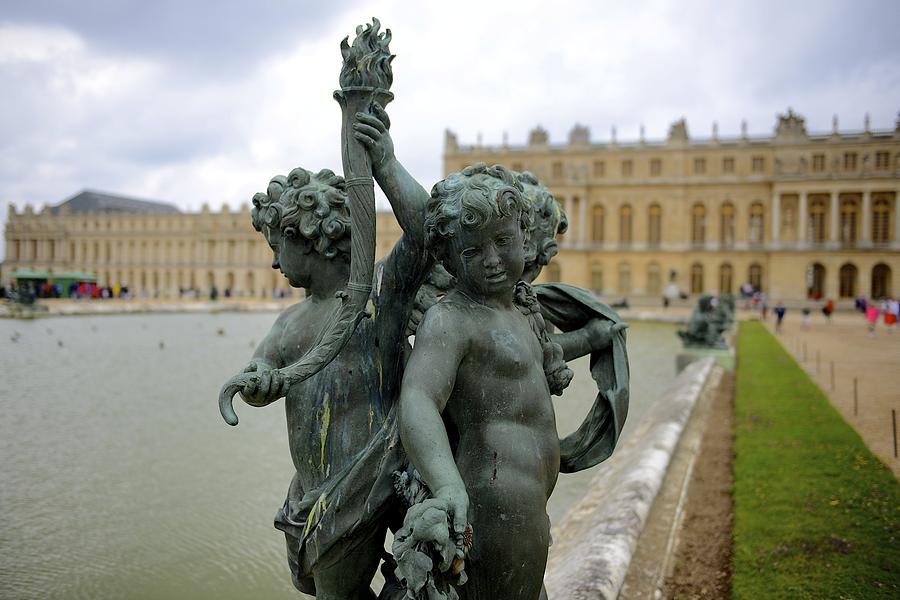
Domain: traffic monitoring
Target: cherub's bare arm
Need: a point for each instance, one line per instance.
(406, 196)
(427, 384)
(266, 360)
(596, 335)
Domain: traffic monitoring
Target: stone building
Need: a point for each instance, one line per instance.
(796, 214)
(153, 248)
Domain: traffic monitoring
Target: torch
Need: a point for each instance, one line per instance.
(365, 79)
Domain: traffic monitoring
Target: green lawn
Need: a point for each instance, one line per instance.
(816, 514)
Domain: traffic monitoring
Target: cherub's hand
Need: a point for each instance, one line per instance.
(600, 332)
(372, 131)
(266, 387)
(458, 509)
(433, 523)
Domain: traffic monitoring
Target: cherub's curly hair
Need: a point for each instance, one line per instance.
(547, 219)
(313, 205)
(470, 199)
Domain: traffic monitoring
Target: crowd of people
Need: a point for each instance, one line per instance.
(886, 309)
(89, 290)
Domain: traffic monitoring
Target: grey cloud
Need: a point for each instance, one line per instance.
(204, 39)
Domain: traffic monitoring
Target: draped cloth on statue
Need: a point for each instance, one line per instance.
(569, 308)
(353, 504)
(349, 507)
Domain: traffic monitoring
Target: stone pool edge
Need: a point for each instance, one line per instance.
(595, 542)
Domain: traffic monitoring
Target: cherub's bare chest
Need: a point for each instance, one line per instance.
(507, 347)
(299, 335)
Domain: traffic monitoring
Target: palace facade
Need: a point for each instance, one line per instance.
(153, 248)
(796, 214)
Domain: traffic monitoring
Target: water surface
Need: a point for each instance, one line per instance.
(119, 479)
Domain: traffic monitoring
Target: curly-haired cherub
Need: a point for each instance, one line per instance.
(476, 418)
(334, 414)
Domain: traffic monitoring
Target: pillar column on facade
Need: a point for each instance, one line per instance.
(897, 216)
(801, 219)
(833, 212)
(583, 220)
(865, 236)
(776, 218)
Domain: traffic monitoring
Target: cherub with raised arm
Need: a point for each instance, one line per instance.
(476, 419)
(333, 415)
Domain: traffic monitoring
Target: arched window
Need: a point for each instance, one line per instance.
(754, 276)
(757, 216)
(847, 281)
(698, 224)
(624, 278)
(696, 278)
(818, 210)
(625, 225)
(726, 278)
(598, 223)
(726, 225)
(881, 281)
(654, 280)
(552, 272)
(597, 278)
(881, 219)
(654, 225)
(849, 219)
(815, 281)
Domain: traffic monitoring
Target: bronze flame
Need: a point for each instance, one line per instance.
(368, 61)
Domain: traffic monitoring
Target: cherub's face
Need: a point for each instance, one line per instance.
(273, 237)
(294, 260)
(289, 257)
(488, 261)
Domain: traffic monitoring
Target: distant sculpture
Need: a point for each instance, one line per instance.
(481, 333)
(704, 330)
(725, 307)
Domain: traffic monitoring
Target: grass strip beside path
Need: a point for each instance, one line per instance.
(816, 514)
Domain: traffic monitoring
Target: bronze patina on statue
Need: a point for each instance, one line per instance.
(450, 443)
(365, 79)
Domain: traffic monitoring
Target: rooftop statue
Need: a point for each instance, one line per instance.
(447, 473)
(704, 330)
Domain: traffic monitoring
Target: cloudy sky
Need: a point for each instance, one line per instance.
(193, 102)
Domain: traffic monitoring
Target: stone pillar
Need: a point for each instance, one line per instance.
(802, 225)
(776, 218)
(896, 208)
(833, 212)
(583, 235)
(802, 211)
(865, 235)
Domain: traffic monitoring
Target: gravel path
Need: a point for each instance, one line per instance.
(874, 361)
